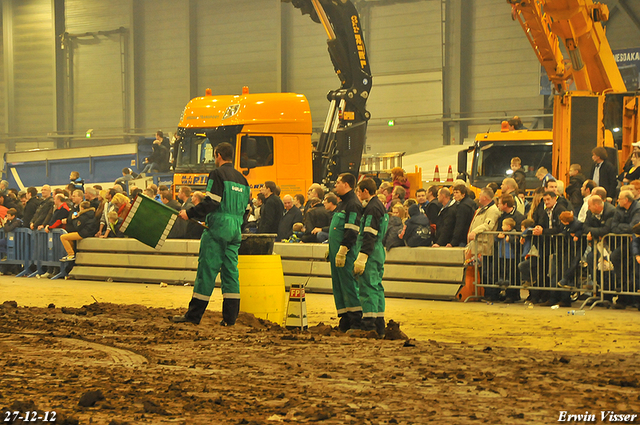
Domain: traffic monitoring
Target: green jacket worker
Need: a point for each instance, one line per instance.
(223, 209)
(343, 250)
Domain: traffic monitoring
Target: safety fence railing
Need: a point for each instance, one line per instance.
(556, 269)
(619, 269)
(34, 250)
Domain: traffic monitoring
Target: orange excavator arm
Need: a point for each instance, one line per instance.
(578, 23)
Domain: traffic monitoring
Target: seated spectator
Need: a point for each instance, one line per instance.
(60, 215)
(417, 231)
(167, 199)
(315, 218)
(394, 230)
(10, 223)
(135, 192)
(126, 176)
(433, 207)
(150, 193)
(86, 226)
(159, 159)
(113, 230)
(291, 216)
(92, 195)
(121, 204)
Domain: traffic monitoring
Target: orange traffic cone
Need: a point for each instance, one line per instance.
(450, 174)
(436, 175)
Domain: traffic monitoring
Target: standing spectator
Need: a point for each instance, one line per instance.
(9, 224)
(510, 187)
(126, 176)
(299, 202)
(421, 200)
(603, 172)
(446, 221)
(574, 189)
(272, 210)
(549, 224)
(370, 261)
(315, 190)
(585, 191)
(45, 209)
(8, 200)
(433, 207)
(291, 216)
(519, 175)
(464, 215)
(626, 216)
(86, 225)
(397, 194)
(543, 175)
(343, 250)
(400, 179)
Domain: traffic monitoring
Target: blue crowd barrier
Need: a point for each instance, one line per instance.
(19, 249)
(47, 251)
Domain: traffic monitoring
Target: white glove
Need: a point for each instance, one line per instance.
(360, 263)
(341, 256)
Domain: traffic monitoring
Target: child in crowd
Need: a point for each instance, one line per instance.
(529, 259)
(573, 190)
(505, 260)
(86, 226)
(396, 226)
(570, 250)
(76, 180)
(113, 230)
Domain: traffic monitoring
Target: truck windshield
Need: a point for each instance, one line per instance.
(493, 161)
(195, 147)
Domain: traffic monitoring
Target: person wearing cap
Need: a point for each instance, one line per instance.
(369, 264)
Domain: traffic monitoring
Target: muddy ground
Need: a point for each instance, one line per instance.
(114, 364)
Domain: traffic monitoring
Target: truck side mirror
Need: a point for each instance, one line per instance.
(462, 165)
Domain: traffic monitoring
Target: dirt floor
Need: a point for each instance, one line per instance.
(105, 353)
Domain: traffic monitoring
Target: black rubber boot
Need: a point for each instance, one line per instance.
(368, 324)
(230, 310)
(380, 326)
(194, 313)
(355, 319)
(344, 324)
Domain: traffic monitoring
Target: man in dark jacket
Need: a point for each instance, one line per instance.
(315, 217)
(549, 225)
(446, 221)
(433, 207)
(30, 208)
(603, 172)
(626, 216)
(464, 215)
(291, 216)
(574, 189)
(271, 211)
(45, 209)
(418, 230)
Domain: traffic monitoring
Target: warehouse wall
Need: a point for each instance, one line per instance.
(140, 80)
(504, 69)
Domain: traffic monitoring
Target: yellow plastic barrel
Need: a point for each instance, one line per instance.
(262, 291)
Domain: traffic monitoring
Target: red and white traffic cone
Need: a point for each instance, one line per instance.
(436, 175)
(450, 175)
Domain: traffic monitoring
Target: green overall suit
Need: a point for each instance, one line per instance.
(373, 227)
(225, 205)
(343, 231)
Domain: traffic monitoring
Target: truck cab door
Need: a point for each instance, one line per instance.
(256, 160)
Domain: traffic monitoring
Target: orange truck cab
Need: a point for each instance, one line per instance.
(271, 134)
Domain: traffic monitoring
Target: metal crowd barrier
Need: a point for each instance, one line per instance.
(19, 249)
(543, 265)
(618, 269)
(26, 247)
(47, 251)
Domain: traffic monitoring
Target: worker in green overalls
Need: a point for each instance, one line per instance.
(223, 208)
(343, 250)
(369, 264)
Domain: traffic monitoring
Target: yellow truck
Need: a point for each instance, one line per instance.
(271, 132)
